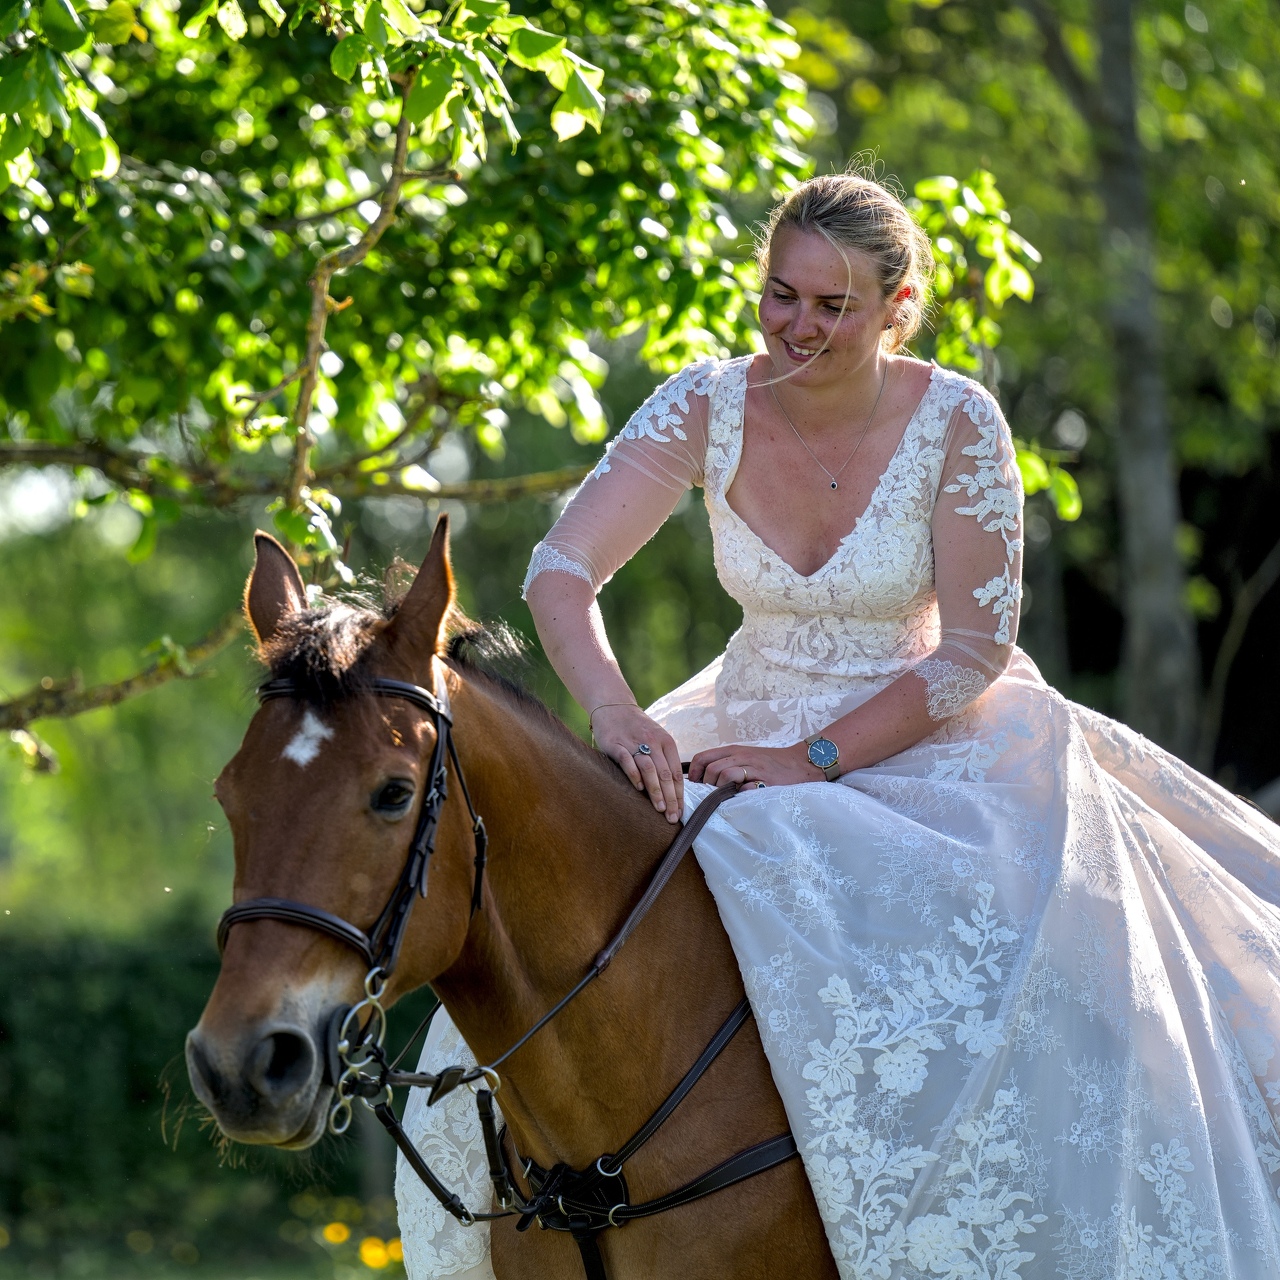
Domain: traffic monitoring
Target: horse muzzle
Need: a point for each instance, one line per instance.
(268, 1084)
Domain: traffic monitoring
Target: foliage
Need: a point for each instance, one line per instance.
(96, 1160)
(968, 221)
(247, 154)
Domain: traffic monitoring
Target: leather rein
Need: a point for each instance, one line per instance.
(583, 1202)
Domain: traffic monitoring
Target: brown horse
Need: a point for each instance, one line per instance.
(321, 799)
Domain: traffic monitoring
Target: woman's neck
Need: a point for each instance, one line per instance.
(832, 405)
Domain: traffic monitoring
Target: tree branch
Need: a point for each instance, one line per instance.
(1246, 601)
(344, 479)
(288, 224)
(60, 700)
(322, 304)
(539, 484)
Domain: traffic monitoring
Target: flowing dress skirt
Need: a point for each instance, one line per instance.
(1019, 988)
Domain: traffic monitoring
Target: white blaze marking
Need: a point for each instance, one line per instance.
(305, 744)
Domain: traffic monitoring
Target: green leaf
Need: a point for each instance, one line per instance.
(1035, 471)
(487, 10)
(195, 25)
(13, 16)
(533, 49)
(18, 85)
(15, 140)
(430, 89)
(273, 11)
(401, 17)
(294, 525)
(51, 88)
(348, 54)
(62, 26)
(145, 543)
(231, 20)
(375, 29)
(1065, 494)
(115, 23)
(577, 106)
(943, 187)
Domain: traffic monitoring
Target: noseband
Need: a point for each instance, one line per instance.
(583, 1202)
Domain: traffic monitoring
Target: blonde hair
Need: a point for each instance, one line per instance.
(854, 211)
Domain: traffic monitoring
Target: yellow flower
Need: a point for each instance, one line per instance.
(395, 1250)
(337, 1232)
(373, 1253)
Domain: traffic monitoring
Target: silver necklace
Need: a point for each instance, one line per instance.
(833, 476)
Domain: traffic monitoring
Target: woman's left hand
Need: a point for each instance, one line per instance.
(754, 766)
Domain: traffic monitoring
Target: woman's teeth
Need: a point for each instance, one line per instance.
(805, 352)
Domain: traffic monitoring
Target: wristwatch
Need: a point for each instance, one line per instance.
(824, 755)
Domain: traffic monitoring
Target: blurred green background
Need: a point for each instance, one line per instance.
(113, 870)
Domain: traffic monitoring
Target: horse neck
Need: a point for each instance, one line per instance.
(570, 852)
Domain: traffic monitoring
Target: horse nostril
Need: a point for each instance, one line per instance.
(203, 1072)
(280, 1063)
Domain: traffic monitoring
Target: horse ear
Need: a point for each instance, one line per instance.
(419, 624)
(274, 589)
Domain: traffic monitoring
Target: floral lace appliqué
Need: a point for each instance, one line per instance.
(658, 415)
(547, 559)
(993, 482)
(950, 687)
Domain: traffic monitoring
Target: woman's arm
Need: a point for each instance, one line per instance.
(977, 542)
(655, 459)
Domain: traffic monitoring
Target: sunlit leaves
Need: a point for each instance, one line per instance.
(248, 159)
(1042, 472)
(967, 221)
(116, 23)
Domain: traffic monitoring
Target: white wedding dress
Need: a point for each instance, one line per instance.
(1018, 983)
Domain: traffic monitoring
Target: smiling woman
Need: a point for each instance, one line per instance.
(1046, 939)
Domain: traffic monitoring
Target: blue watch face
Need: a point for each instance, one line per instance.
(823, 753)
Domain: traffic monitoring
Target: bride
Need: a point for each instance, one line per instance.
(1016, 970)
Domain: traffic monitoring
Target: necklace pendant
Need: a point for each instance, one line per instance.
(834, 485)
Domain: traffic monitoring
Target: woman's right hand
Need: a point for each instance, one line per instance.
(618, 731)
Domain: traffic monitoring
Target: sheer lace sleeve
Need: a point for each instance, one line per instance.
(658, 455)
(977, 540)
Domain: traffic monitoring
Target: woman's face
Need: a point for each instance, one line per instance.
(810, 284)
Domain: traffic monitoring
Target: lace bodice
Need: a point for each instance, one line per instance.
(927, 581)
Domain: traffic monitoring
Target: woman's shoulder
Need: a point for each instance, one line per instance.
(968, 397)
(667, 410)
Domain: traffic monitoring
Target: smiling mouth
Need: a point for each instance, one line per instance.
(801, 354)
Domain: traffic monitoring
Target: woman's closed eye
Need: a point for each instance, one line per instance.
(393, 799)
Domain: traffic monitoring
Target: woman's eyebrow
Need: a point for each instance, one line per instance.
(822, 297)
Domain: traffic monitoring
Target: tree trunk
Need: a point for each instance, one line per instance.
(1160, 664)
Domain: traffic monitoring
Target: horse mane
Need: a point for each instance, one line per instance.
(328, 652)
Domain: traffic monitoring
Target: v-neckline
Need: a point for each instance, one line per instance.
(732, 472)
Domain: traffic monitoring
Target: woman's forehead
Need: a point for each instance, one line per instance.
(809, 263)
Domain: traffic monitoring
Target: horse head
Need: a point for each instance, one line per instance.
(322, 800)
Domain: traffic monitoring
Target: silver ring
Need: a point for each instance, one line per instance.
(643, 750)
(759, 785)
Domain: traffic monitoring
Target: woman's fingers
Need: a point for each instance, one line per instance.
(671, 753)
(620, 732)
(703, 760)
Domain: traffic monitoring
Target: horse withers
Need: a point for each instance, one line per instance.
(322, 799)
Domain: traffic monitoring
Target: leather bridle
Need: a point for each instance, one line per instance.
(583, 1202)
(380, 947)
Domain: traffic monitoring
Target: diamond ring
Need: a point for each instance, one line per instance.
(643, 750)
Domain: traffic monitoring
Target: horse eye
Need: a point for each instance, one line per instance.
(393, 798)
